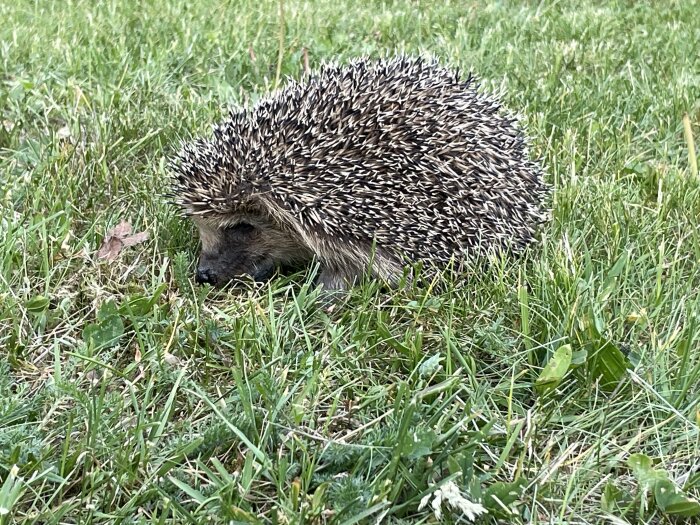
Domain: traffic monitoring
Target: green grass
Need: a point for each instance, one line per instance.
(127, 394)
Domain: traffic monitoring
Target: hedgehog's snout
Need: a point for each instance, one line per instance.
(258, 269)
(206, 275)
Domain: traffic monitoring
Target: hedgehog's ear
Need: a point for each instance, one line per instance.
(248, 206)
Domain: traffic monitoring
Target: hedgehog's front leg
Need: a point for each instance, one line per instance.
(333, 286)
(334, 280)
(339, 277)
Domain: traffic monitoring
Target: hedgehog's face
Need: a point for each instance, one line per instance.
(244, 250)
(232, 253)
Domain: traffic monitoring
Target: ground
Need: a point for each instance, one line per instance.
(560, 388)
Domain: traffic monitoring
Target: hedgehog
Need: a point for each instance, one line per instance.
(372, 166)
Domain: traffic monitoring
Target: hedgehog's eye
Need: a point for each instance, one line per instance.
(242, 228)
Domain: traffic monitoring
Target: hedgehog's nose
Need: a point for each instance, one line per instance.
(205, 276)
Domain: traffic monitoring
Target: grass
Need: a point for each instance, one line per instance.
(128, 395)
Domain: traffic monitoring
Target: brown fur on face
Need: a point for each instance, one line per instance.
(246, 247)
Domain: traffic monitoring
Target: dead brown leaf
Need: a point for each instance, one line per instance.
(117, 239)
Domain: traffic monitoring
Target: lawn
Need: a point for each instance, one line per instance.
(559, 388)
